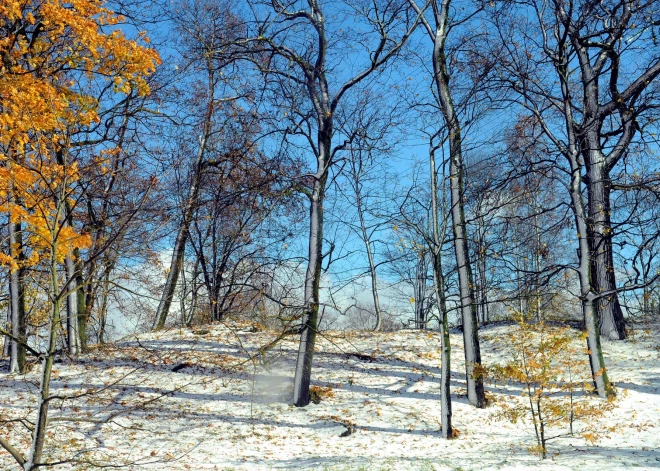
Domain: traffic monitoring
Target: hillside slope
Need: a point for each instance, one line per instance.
(206, 400)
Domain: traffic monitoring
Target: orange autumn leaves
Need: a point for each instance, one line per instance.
(29, 201)
(51, 51)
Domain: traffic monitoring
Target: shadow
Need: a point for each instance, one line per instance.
(641, 388)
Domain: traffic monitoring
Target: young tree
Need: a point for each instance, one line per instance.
(547, 362)
(50, 51)
(439, 236)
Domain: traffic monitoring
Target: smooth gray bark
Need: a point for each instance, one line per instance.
(475, 386)
(439, 285)
(7, 341)
(73, 337)
(71, 275)
(303, 372)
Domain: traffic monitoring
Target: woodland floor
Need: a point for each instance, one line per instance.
(222, 411)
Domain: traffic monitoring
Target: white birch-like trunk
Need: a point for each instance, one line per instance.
(73, 337)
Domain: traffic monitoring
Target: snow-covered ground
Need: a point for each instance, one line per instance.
(226, 407)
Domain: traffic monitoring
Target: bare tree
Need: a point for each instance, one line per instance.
(439, 236)
(298, 49)
(438, 29)
(590, 48)
(208, 32)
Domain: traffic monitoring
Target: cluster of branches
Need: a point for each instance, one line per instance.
(257, 173)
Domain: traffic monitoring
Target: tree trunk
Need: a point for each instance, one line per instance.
(482, 312)
(475, 385)
(41, 420)
(103, 313)
(303, 374)
(598, 187)
(188, 212)
(181, 238)
(73, 337)
(82, 305)
(7, 341)
(17, 353)
(193, 293)
(439, 285)
(174, 270)
(370, 257)
(587, 296)
(420, 290)
(610, 314)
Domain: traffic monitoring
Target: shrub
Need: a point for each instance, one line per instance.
(551, 365)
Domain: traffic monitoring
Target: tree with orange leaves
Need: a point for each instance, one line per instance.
(51, 51)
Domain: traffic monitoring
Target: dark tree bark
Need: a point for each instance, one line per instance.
(82, 304)
(597, 34)
(17, 353)
(585, 262)
(610, 314)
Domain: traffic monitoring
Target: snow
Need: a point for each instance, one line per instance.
(227, 406)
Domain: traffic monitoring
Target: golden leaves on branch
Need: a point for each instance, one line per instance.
(549, 365)
(61, 44)
(31, 202)
(51, 52)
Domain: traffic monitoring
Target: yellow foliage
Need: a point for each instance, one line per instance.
(550, 366)
(51, 53)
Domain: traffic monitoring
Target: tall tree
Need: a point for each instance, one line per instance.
(50, 52)
(539, 100)
(298, 49)
(438, 29)
(607, 55)
(208, 31)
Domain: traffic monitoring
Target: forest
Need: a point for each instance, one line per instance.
(337, 235)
